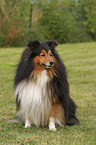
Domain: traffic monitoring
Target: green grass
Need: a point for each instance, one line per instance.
(80, 60)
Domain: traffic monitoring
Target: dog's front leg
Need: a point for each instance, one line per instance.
(52, 119)
(52, 124)
(56, 116)
(27, 122)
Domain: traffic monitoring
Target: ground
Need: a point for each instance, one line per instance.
(80, 60)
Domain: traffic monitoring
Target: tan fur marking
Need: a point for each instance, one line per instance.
(49, 52)
(43, 51)
(57, 112)
(37, 61)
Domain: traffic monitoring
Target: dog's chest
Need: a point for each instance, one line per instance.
(35, 99)
(38, 89)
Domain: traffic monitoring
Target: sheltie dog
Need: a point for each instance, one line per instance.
(42, 89)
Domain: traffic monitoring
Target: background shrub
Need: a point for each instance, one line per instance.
(65, 21)
(2, 40)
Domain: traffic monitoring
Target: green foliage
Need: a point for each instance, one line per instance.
(34, 34)
(80, 60)
(14, 19)
(2, 40)
(90, 17)
(65, 21)
(56, 22)
(30, 34)
(60, 22)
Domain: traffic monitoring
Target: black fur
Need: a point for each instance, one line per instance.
(59, 83)
(61, 89)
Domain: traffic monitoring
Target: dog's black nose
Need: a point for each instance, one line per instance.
(51, 62)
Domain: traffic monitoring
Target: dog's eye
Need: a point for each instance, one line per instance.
(43, 55)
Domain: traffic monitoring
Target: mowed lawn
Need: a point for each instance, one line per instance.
(80, 60)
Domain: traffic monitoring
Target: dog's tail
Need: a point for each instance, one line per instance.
(16, 120)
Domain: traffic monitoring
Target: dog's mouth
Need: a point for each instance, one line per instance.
(49, 65)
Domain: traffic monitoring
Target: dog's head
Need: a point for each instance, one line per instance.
(43, 53)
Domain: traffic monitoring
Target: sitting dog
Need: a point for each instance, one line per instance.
(42, 89)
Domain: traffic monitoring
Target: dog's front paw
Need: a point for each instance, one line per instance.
(27, 124)
(52, 128)
(52, 124)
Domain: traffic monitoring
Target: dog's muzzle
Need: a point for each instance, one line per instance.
(48, 65)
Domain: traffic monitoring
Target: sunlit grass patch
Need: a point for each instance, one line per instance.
(80, 60)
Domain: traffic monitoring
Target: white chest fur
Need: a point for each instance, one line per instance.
(35, 100)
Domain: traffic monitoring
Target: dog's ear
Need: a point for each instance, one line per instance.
(33, 44)
(52, 44)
